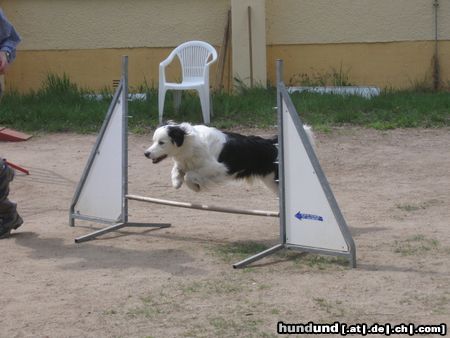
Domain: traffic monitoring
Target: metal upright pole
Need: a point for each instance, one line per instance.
(281, 182)
(125, 139)
(436, 65)
(250, 43)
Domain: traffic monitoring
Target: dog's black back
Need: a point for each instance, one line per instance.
(246, 156)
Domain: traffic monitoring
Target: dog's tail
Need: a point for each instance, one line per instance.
(309, 133)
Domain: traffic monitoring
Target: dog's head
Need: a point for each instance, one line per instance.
(167, 141)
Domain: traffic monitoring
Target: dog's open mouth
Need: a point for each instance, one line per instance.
(159, 159)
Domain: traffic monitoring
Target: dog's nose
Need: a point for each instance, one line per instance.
(147, 154)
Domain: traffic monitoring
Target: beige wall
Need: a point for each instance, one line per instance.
(378, 42)
(344, 21)
(393, 65)
(75, 24)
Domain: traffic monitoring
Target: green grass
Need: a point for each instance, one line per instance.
(392, 109)
(237, 251)
(335, 309)
(233, 252)
(61, 106)
(203, 304)
(416, 245)
(409, 207)
(319, 262)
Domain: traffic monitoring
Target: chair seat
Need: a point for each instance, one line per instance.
(185, 84)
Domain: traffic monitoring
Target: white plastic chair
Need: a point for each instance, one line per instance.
(195, 58)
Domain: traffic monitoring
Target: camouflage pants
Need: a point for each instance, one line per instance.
(9, 218)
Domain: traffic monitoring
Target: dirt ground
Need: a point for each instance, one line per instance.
(393, 188)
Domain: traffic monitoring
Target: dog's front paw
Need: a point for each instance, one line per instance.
(177, 183)
(177, 177)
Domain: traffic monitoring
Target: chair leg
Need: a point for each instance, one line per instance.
(204, 101)
(176, 100)
(211, 110)
(161, 98)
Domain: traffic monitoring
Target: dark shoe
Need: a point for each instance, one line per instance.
(4, 233)
(8, 224)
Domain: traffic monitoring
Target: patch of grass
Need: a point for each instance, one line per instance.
(208, 287)
(437, 304)
(441, 305)
(391, 109)
(334, 309)
(233, 252)
(416, 245)
(110, 312)
(322, 262)
(220, 324)
(60, 105)
(205, 306)
(146, 312)
(151, 307)
(224, 327)
(274, 312)
(238, 250)
(333, 77)
(408, 207)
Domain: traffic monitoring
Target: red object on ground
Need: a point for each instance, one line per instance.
(11, 135)
(18, 167)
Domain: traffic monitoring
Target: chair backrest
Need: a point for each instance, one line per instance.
(194, 56)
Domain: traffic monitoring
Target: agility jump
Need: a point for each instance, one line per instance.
(310, 218)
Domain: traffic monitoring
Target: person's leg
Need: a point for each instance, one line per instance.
(9, 218)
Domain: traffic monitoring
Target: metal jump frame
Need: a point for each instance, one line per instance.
(282, 95)
(120, 94)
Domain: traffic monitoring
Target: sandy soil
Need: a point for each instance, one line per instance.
(393, 188)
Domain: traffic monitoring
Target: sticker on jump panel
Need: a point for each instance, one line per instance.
(301, 216)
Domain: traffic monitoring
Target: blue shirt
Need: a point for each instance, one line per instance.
(9, 39)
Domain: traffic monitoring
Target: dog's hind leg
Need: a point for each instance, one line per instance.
(193, 181)
(269, 182)
(202, 178)
(177, 177)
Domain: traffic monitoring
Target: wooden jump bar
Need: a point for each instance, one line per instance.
(204, 207)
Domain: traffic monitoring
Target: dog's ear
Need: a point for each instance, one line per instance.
(176, 134)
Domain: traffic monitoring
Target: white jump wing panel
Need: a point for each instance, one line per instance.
(310, 220)
(101, 192)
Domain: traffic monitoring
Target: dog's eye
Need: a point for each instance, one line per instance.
(160, 143)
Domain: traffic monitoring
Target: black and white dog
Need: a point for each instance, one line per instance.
(204, 155)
